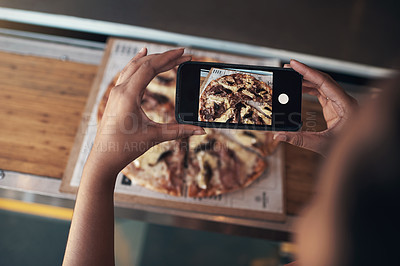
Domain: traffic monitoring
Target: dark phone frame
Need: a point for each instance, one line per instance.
(285, 80)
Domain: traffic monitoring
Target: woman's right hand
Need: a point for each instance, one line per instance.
(337, 107)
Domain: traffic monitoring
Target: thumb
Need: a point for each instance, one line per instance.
(313, 141)
(176, 131)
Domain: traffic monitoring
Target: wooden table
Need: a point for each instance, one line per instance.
(41, 105)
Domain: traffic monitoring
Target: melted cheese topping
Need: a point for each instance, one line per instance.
(266, 119)
(216, 99)
(196, 140)
(246, 92)
(156, 117)
(245, 139)
(266, 111)
(169, 90)
(150, 157)
(247, 157)
(225, 116)
(211, 99)
(243, 112)
(204, 157)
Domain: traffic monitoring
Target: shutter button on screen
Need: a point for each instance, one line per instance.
(283, 98)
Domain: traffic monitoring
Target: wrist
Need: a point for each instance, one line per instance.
(95, 181)
(99, 168)
(105, 162)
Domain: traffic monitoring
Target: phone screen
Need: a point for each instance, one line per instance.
(239, 96)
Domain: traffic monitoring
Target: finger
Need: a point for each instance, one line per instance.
(168, 60)
(313, 141)
(175, 63)
(132, 66)
(323, 100)
(138, 60)
(311, 91)
(161, 62)
(308, 73)
(176, 131)
(324, 83)
(287, 66)
(154, 65)
(309, 84)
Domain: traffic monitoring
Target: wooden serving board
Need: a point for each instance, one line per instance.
(41, 105)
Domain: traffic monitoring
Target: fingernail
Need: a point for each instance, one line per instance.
(199, 131)
(280, 137)
(184, 59)
(142, 50)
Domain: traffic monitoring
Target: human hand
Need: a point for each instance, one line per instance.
(337, 108)
(125, 132)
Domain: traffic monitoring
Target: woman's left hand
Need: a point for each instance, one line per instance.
(125, 132)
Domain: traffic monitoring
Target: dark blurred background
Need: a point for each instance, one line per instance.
(363, 31)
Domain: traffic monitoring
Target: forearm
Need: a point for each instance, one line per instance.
(91, 237)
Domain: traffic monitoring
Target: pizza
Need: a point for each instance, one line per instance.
(236, 98)
(219, 162)
(217, 166)
(259, 142)
(160, 168)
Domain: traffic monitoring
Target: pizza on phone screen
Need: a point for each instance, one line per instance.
(236, 98)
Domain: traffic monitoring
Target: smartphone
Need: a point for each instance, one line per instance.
(238, 96)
